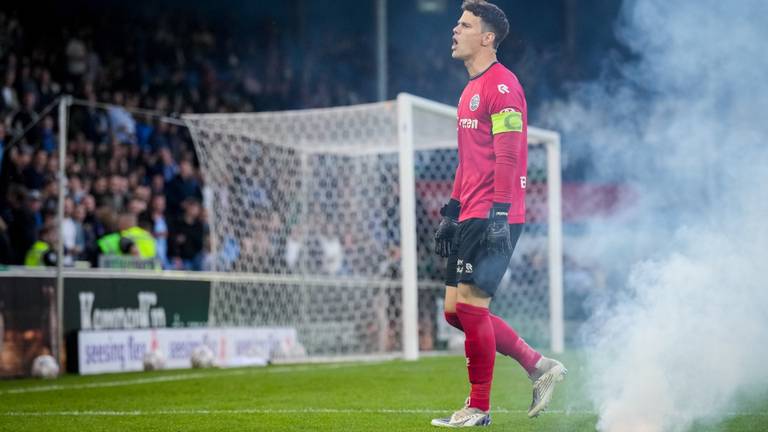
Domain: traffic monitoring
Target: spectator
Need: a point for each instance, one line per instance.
(122, 124)
(34, 174)
(76, 188)
(139, 234)
(184, 186)
(100, 191)
(160, 228)
(128, 239)
(333, 252)
(293, 247)
(27, 117)
(9, 101)
(13, 168)
(136, 206)
(42, 252)
(48, 139)
(185, 243)
(117, 197)
(34, 205)
(76, 53)
(6, 250)
(48, 90)
(157, 186)
(20, 221)
(165, 167)
(94, 121)
(160, 139)
(72, 233)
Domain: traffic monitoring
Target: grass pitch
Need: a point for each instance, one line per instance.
(387, 396)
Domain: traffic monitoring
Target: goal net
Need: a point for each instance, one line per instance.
(322, 220)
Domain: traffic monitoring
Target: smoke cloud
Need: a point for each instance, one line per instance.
(685, 336)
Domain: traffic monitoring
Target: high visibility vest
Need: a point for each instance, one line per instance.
(110, 244)
(35, 254)
(143, 240)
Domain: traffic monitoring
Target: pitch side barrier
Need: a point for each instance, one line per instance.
(93, 299)
(102, 300)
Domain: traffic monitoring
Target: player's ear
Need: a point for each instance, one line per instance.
(489, 38)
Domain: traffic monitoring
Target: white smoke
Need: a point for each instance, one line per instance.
(685, 125)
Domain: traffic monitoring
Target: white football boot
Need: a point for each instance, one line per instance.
(548, 373)
(465, 417)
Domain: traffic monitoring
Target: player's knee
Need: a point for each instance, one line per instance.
(470, 294)
(452, 318)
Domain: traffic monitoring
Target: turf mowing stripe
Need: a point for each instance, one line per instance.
(137, 413)
(179, 377)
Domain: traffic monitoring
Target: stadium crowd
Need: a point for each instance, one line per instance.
(134, 184)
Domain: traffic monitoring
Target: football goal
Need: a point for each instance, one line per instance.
(322, 220)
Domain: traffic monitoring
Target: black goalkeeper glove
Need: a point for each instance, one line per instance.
(497, 232)
(447, 228)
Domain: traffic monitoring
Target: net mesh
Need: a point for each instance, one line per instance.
(304, 207)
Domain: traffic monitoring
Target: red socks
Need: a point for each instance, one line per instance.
(508, 342)
(480, 349)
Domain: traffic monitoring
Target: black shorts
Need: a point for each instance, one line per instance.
(469, 261)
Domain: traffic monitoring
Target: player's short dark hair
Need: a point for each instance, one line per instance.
(492, 17)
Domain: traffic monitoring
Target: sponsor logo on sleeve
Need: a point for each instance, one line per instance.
(503, 89)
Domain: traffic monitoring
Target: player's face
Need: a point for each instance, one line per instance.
(467, 36)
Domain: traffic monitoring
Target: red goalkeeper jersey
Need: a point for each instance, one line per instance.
(493, 145)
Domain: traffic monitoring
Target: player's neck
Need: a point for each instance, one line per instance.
(479, 63)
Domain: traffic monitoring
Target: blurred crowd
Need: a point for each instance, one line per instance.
(134, 183)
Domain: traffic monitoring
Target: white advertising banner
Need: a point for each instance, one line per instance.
(123, 350)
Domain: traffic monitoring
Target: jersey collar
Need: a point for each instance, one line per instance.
(481, 73)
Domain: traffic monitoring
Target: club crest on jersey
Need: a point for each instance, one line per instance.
(474, 103)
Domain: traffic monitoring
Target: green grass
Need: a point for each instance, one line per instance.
(388, 396)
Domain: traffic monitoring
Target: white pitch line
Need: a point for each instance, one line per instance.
(137, 413)
(178, 377)
(205, 412)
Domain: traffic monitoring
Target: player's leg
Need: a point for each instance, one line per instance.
(508, 342)
(480, 350)
(480, 344)
(544, 372)
(473, 314)
(473, 317)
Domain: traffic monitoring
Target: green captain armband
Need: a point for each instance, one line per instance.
(510, 121)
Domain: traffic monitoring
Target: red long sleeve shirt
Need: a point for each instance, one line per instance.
(493, 145)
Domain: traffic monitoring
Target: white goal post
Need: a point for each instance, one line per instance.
(323, 218)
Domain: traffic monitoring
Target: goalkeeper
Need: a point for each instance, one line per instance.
(484, 217)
